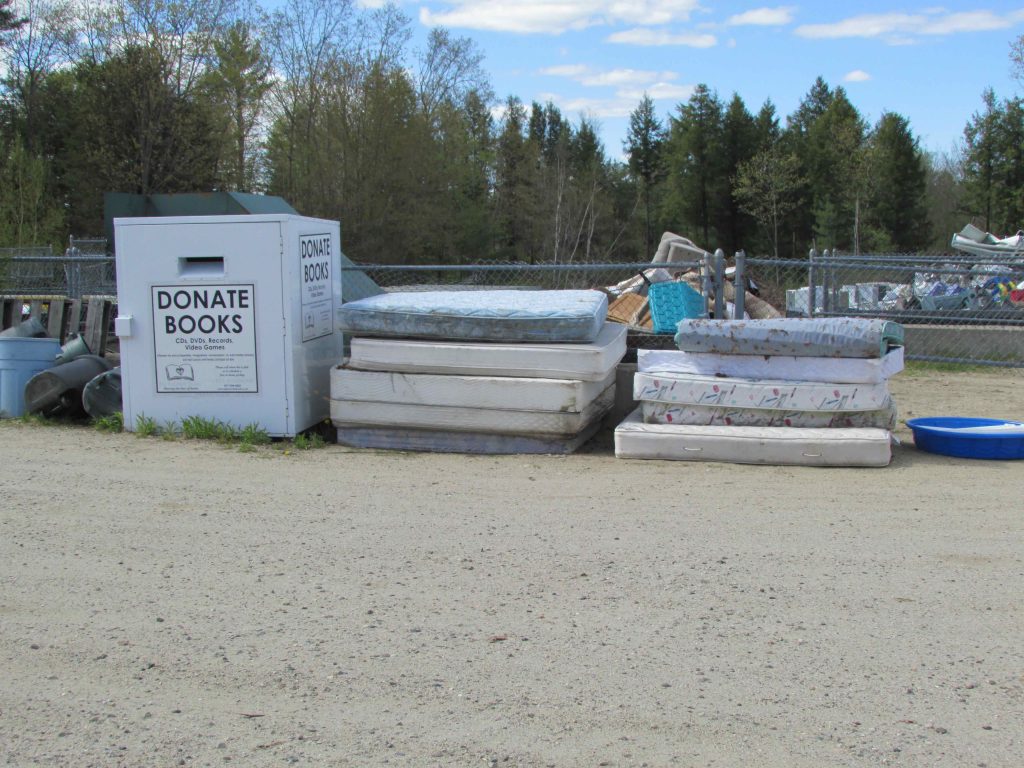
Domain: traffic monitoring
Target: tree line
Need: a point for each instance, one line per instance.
(332, 107)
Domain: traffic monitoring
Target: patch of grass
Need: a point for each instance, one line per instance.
(112, 423)
(246, 448)
(169, 431)
(38, 419)
(201, 428)
(308, 442)
(253, 434)
(145, 426)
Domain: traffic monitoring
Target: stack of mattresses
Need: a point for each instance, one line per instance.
(781, 391)
(476, 372)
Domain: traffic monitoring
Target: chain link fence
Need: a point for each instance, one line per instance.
(84, 269)
(957, 309)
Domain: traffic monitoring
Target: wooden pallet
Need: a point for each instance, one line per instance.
(63, 316)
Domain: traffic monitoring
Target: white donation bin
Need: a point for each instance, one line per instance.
(228, 318)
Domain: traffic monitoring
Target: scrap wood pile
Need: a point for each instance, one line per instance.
(635, 301)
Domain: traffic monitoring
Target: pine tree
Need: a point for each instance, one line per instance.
(644, 145)
(897, 210)
(981, 159)
(696, 184)
(834, 162)
(8, 19)
(239, 83)
(739, 144)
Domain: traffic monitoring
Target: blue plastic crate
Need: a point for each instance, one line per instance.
(961, 437)
(671, 302)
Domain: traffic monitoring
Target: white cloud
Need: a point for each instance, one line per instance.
(857, 76)
(627, 77)
(554, 17)
(763, 17)
(610, 77)
(658, 91)
(971, 21)
(617, 107)
(901, 28)
(566, 70)
(652, 37)
(631, 84)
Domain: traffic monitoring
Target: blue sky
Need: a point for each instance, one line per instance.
(929, 62)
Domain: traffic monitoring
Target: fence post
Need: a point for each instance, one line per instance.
(739, 282)
(720, 312)
(707, 284)
(73, 271)
(826, 281)
(811, 258)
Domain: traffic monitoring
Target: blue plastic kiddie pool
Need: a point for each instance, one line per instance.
(969, 438)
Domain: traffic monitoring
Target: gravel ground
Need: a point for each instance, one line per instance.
(181, 603)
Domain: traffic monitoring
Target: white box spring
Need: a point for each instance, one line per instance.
(752, 445)
(586, 362)
(692, 389)
(504, 393)
(710, 415)
(848, 370)
(348, 413)
(513, 316)
(435, 441)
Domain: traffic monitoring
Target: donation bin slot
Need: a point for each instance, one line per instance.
(201, 266)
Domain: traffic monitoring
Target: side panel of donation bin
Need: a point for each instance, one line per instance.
(210, 319)
(311, 276)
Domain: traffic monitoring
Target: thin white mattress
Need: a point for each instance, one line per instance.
(436, 441)
(848, 370)
(503, 393)
(798, 336)
(511, 316)
(666, 413)
(752, 445)
(585, 362)
(691, 389)
(348, 413)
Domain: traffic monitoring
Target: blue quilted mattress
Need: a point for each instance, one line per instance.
(504, 316)
(796, 336)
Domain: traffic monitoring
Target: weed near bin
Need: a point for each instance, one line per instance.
(145, 426)
(112, 423)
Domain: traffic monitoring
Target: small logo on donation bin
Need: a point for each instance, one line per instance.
(180, 373)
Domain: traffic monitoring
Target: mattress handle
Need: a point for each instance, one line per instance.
(698, 450)
(813, 455)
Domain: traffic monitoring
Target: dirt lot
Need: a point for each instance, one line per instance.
(181, 603)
